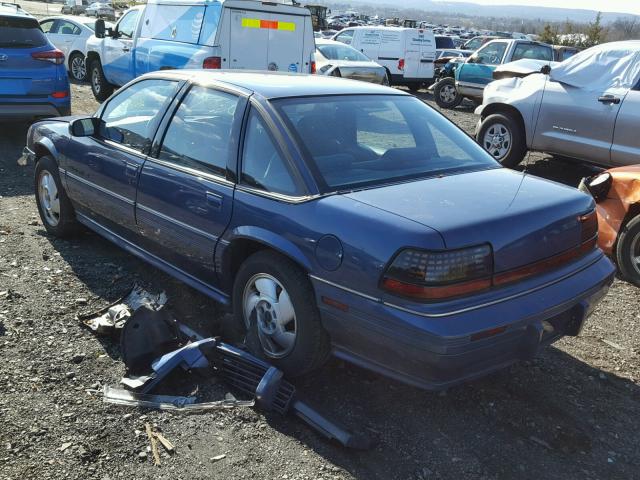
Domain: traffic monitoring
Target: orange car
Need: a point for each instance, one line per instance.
(617, 196)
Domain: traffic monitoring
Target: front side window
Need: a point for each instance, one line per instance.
(128, 24)
(128, 117)
(362, 140)
(199, 134)
(491, 53)
(346, 37)
(262, 165)
(532, 51)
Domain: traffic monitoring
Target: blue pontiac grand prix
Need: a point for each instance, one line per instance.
(333, 216)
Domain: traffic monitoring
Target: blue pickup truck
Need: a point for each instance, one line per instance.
(472, 75)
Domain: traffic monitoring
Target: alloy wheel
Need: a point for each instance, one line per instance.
(78, 68)
(448, 93)
(267, 304)
(49, 198)
(497, 141)
(95, 80)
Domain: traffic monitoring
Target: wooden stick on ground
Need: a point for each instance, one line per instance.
(154, 444)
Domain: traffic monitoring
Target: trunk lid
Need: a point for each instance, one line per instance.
(524, 218)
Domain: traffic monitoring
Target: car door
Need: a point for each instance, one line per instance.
(64, 36)
(102, 170)
(118, 54)
(626, 147)
(577, 122)
(477, 71)
(185, 191)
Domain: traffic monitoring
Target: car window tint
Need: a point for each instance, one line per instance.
(128, 23)
(532, 51)
(262, 165)
(47, 26)
(68, 28)
(199, 133)
(491, 54)
(17, 32)
(350, 141)
(128, 116)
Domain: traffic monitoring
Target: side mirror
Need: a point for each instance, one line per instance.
(99, 28)
(83, 127)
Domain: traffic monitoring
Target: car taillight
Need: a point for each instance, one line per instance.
(589, 224)
(212, 62)
(53, 56)
(313, 66)
(431, 275)
(401, 64)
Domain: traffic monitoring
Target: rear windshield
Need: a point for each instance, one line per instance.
(20, 33)
(356, 141)
(342, 52)
(532, 51)
(444, 42)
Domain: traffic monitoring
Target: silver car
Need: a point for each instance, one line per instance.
(101, 10)
(340, 60)
(586, 108)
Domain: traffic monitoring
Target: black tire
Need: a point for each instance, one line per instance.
(443, 96)
(414, 87)
(508, 129)
(77, 67)
(629, 247)
(66, 224)
(100, 87)
(311, 346)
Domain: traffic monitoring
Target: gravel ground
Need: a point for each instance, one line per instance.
(570, 414)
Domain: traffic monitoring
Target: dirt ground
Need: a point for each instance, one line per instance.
(570, 414)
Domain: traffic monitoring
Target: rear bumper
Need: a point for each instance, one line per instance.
(438, 352)
(16, 110)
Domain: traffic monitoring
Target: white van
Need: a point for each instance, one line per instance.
(407, 53)
(229, 34)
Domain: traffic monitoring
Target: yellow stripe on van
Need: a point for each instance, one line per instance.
(268, 24)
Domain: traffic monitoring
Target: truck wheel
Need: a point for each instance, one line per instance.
(628, 251)
(77, 67)
(100, 87)
(503, 137)
(446, 94)
(274, 302)
(55, 209)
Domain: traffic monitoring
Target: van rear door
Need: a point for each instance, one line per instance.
(420, 53)
(266, 41)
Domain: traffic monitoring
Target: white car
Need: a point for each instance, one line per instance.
(339, 60)
(69, 34)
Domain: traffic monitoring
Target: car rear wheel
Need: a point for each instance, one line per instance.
(275, 304)
(503, 138)
(628, 251)
(77, 67)
(446, 94)
(100, 87)
(55, 209)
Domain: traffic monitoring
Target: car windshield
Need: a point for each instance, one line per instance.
(342, 52)
(532, 51)
(355, 141)
(20, 33)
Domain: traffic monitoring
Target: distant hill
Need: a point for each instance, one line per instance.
(518, 11)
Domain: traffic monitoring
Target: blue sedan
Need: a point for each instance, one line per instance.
(332, 217)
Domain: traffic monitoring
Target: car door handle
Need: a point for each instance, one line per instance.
(609, 99)
(214, 200)
(126, 49)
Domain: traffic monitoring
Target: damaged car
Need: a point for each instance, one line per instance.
(617, 195)
(332, 217)
(340, 60)
(586, 108)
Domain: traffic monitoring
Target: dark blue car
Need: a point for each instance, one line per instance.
(33, 76)
(333, 217)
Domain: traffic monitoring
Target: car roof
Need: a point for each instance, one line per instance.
(13, 10)
(272, 85)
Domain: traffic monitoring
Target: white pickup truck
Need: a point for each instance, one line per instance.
(229, 34)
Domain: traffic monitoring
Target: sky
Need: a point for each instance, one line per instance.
(622, 6)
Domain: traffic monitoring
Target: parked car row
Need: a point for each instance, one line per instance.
(94, 9)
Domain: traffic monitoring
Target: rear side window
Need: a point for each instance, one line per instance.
(532, 51)
(176, 23)
(20, 33)
(199, 134)
(67, 28)
(130, 115)
(262, 165)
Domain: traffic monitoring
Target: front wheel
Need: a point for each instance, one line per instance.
(628, 251)
(446, 94)
(274, 302)
(503, 137)
(100, 87)
(55, 209)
